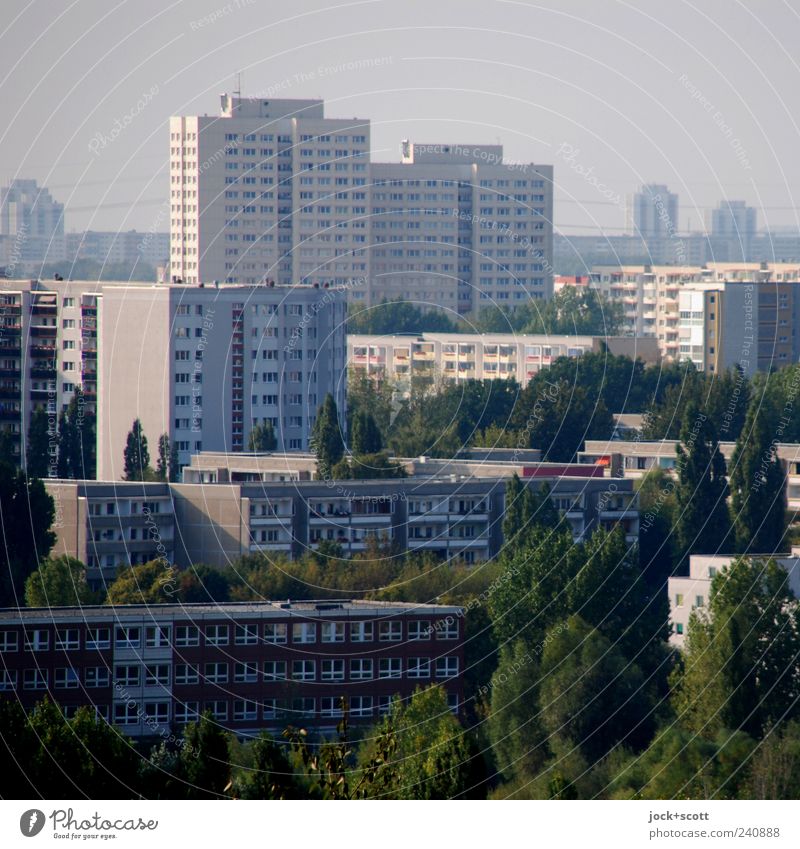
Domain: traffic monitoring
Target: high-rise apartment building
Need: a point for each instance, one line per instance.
(654, 212)
(273, 190)
(31, 226)
(202, 364)
(269, 190)
(455, 226)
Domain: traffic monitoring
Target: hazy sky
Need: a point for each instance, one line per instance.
(701, 96)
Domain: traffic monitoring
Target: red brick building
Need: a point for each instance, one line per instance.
(152, 669)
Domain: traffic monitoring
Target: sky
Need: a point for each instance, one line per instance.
(702, 96)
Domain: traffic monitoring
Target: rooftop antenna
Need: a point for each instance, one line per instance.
(238, 91)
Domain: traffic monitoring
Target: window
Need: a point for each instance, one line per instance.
(96, 676)
(390, 667)
(333, 632)
(37, 640)
(679, 627)
(187, 635)
(127, 637)
(245, 710)
(419, 629)
(333, 670)
(157, 636)
(331, 706)
(360, 669)
(156, 712)
(447, 629)
(126, 714)
(66, 678)
(698, 601)
(304, 707)
(679, 600)
(273, 708)
(275, 633)
(304, 632)
(275, 670)
(216, 635)
(245, 672)
(390, 632)
(68, 639)
(9, 641)
(384, 705)
(186, 673)
(419, 667)
(186, 712)
(218, 709)
(304, 670)
(157, 675)
(712, 571)
(127, 675)
(361, 706)
(8, 680)
(446, 667)
(216, 673)
(246, 635)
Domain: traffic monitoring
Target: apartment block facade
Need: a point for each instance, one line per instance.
(202, 364)
(451, 516)
(150, 670)
(274, 190)
(688, 594)
(484, 356)
(269, 190)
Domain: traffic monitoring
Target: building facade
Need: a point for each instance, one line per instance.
(119, 248)
(31, 227)
(150, 670)
(484, 356)
(269, 190)
(691, 593)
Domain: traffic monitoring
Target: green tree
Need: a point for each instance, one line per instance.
(154, 582)
(703, 522)
(37, 454)
(59, 582)
(774, 771)
(397, 317)
(201, 583)
(167, 467)
(526, 510)
(137, 455)
(758, 484)
(682, 765)
(268, 775)
(365, 436)
(76, 440)
(262, 438)
(326, 438)
(204, 762)
(26, 516)
(657, 509)
(739, 666)
(592, 697)
(433, 758)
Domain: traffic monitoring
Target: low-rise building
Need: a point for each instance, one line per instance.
(691, 593)
(152, 669)
(480, 356)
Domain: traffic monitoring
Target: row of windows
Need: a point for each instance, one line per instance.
(160, 636)
(160, 674)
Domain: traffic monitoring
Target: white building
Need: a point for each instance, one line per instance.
(31, 227)
(480, 356)
(688, 594)
(269, 190)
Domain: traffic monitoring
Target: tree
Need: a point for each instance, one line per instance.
(26, 516)
(526, 510)
(739, 666)
(262, 438)
(397, 317)
(167, 464)
(154, 582)
(432, 758)
(201, 583)
(204, 763)
(656, 528)
(775, 767)
(372, 394)
(59, 582)
(326, 438)
(269, 775)
(137, 456)
(37, 455)
(365, 436)
(703, 522)
(76, 440)
(592, 697)
(758, 483)
(368, 467)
